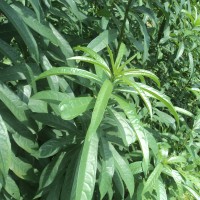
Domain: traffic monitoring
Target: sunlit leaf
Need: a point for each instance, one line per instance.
(161, 97)
(152, 179)
(138, 128)
(72, 107)
(100, 107)
(84, 181)
(69, 71)
(92, 61)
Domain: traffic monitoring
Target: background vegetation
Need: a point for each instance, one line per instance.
(99, 125)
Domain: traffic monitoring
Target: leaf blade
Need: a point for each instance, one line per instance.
(5, 149)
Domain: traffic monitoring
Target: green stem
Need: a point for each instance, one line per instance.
(123, 24)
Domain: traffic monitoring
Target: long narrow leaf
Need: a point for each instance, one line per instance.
(92, 61)
(93, 54)
(141, 93)
(161, 190)
(9, 51)
(21, 28)
(85, 178)
(156, 94)
(33, 23)
(5, 149)
(127, 134)
(142, 72)
(100, 107)
(107, 170)
(137, 127)
(120, 55)
(124, 170)
(103, 39)
(69, 71)
(180, 51)
(14, 104)
(152, 179)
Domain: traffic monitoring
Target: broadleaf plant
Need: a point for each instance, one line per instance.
(109, 96)
(99, 100)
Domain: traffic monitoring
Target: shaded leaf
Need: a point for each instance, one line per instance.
(102, 40)
(107, 168)
(180, 51)
(5, 149)
(124, 170)
(21, 28)
(51, 147)
(12, 188)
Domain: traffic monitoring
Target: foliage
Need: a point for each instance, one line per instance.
(99, 100)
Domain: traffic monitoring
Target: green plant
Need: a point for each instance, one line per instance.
(113, 104)
(141, 147)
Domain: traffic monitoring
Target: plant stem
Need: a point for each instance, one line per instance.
(123, 24)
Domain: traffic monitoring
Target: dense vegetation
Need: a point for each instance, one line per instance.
(99, 100)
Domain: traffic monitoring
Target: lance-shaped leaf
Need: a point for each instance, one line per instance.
(5, 149)
(176, 176)
(180, 51)
(142, 72)
(161, 97)
(52, 80)
(22, 29)
(120, 55)
(69, 71)
(94, 55)
(160, 190)
(176, 159)
(111, 59)
(52, 170)
(126, 132)
(23, 170)
(142, 94)
(144, 31)
(107, 168)
(152, 179)
(72, 107)
(92, 61)
(85, 177)
(124, 170)
(86, 171)
(33, 23)
(137, 127)
(183, 111)
(103, 39)
(9, 52)
(51, 147)
(126, 63)
(193, 192)
(12, 188)
(50, 96)
(120, 187)
(100, 107)
(14, 103)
